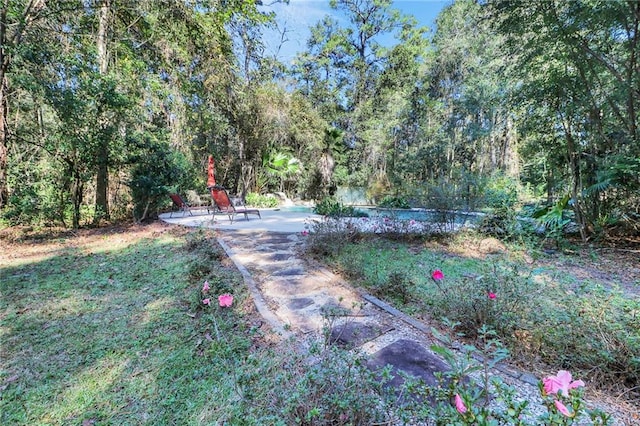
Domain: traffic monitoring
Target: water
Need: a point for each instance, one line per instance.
(424, 215)
(296, 209)
(419, 215)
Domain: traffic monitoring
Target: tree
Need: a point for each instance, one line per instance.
(340, 72)
(579, 61)
(16, 20)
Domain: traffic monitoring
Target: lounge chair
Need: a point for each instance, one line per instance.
(224, 205)
(183, 206)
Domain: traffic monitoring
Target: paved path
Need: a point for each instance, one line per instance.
(298, 297)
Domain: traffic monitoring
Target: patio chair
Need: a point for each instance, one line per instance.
(224, 205)
(180, 204)
(184, 206)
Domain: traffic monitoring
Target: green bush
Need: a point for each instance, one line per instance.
(501, 199)
(591, 327)
(499, 296)
(394, 203)
(330, 236)
(158, 171)
(331, 207)
(327, 386)
(262, 201)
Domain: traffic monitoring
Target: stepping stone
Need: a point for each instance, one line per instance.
(279, 257)
(277, 239)
(300, 303)
(289, 272)
(352, 334)
(412, 359)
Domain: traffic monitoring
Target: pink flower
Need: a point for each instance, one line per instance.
(225, 300)
(205, 287)
(562, 408)
(492, 295)
(437, 275)
(304, 233)
(560, 382)
(412, 222)
(460, 404)
(206, 301)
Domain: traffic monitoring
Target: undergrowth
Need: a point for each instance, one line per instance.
(539, 314)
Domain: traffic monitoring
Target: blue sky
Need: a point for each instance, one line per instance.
(299, 15)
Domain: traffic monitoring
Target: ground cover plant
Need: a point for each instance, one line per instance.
(576, 311)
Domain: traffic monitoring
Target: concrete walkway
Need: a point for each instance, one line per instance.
(298, 297)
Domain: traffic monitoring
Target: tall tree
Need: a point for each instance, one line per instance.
(470, 78)
(341, 71)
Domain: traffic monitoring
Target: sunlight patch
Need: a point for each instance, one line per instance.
(88, 389)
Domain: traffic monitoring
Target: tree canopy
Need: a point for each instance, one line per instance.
(108, 105)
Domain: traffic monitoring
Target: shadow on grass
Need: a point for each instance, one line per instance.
(96, 335)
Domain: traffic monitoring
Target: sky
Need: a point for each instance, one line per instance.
(299, 15)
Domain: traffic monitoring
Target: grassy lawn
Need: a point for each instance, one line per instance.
(108, 329)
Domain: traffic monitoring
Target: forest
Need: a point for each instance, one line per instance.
(508, 105)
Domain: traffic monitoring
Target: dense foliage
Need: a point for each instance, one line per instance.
(542, 95)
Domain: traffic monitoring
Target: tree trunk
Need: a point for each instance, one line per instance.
(4, 191)
(102, 173)
(576, 188)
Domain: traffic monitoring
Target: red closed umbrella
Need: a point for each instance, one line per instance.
(211, 178)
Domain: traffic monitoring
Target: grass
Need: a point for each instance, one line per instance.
(110, 332)
(108, 328)
(549, 318)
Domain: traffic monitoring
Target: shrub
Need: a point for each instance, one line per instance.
(325, 386)
(262, 201)
(330, 236)
(592, 327)
(499, 297)
(331, 207)
(157, 171)
(394, 202)
(463, 398)
(501, 197)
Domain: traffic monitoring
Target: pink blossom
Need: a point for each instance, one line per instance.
(206, 301)
(305, 233)
(492, 295)
(460, 404)
(205, 287)
(562, 408)
(561, 382)
(412, 222)
(225, 300)
(437, 275)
